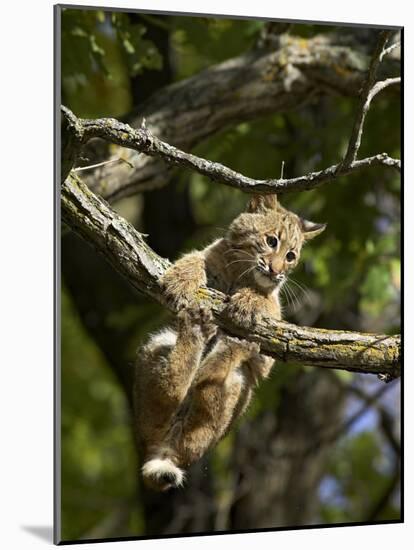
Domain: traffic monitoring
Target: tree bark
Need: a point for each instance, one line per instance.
(240, 89)
(127, 252)
(281, 488)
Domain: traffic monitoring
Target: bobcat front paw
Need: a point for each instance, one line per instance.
(181, 281)
(244, 308)
(179, 294)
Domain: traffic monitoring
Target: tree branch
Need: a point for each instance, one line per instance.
(255, 84)
(368, 92)
(386, 420)
(390, 49)
(143, 141)
(127, 252)
(79, 131)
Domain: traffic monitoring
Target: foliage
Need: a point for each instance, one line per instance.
(95, 425)
(349, 278)
(357, 477)
(100, 51)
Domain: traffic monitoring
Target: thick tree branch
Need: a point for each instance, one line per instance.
(239, 89)
(79, 131)
(143, 141)
(127, 252)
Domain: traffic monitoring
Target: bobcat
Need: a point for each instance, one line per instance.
(192, 381)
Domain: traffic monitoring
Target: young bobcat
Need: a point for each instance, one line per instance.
(192, 382)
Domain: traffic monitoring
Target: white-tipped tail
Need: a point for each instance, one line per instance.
(163, 472)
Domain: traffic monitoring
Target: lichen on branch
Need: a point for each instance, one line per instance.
(286, 75)
(126, 250)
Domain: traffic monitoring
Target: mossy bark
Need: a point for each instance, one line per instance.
(126, 250)
(244, 88)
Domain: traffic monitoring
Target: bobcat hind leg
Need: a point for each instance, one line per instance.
(218, 386)
(167, 367)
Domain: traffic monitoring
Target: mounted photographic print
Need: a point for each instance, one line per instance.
(228, 269)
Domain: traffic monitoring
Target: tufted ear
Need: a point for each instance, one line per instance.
(260, 203)
(311, 229)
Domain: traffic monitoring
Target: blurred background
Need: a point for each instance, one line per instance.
(315, 447)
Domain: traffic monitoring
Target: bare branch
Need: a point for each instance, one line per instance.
(127, 252)
(369, 402)
(369, 90)
(390, 49)
(255, 84)
(338, 432)
(386, 421)
(378, 86)
(142, 140)
(99, 164)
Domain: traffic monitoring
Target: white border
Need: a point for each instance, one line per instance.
(26, 289)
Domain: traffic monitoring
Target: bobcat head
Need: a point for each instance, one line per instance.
(266, 242)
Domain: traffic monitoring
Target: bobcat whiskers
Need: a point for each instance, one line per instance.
(266, 278)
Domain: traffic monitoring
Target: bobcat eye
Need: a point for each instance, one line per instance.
(290, 256)
(272, 241)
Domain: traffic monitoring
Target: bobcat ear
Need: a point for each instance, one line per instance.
(259, 203)
(311, 229)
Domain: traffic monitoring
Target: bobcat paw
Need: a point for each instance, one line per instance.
(178, 296)
(243, 348)
(198, 320)
(244, 309)
(182, 280)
